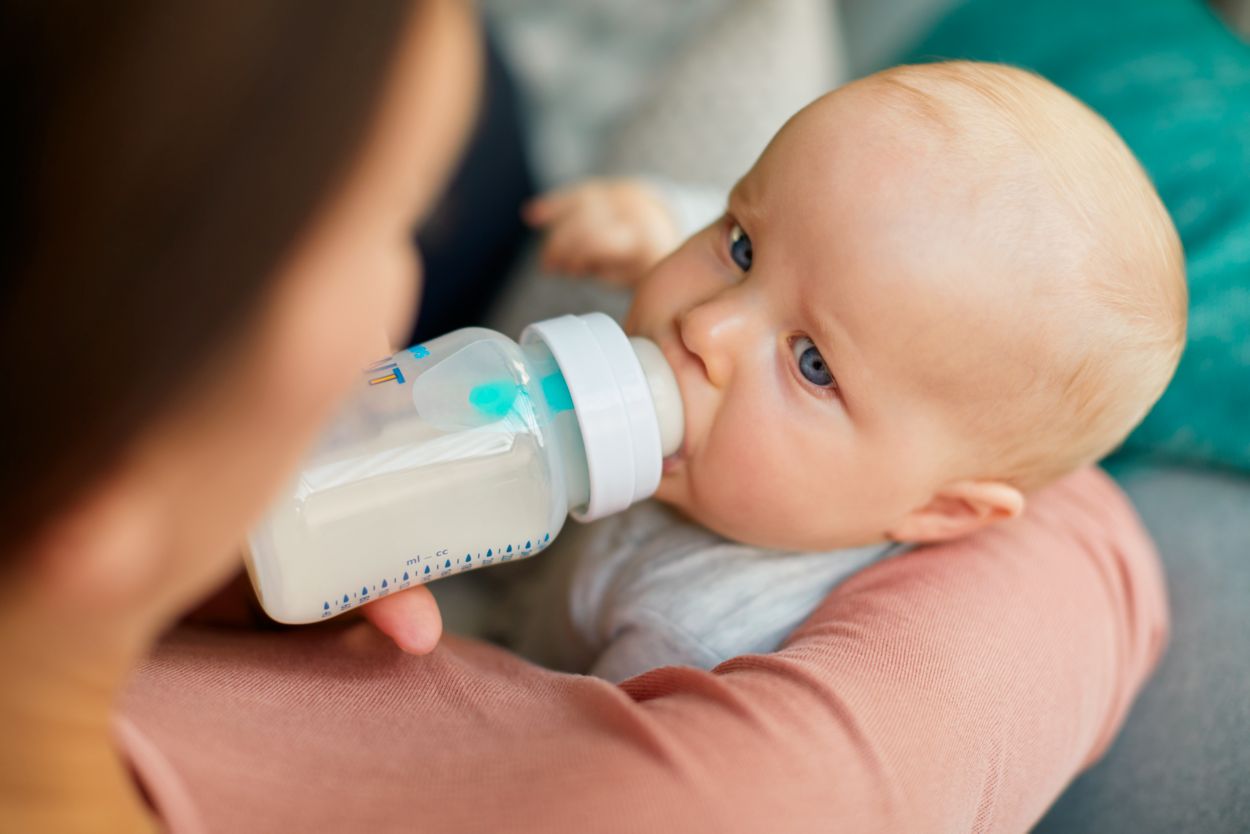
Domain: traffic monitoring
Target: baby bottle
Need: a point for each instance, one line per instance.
(465, 451)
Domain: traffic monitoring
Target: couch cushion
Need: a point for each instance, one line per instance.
(1175, 82)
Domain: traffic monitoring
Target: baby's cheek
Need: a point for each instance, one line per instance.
(737, 488)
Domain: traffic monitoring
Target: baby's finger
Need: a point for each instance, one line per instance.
(546, 208)
(621, 275)
(615, 257)
(570, 247)
(411, 618)
(613, 243)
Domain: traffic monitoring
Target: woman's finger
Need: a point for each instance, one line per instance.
(411, 618)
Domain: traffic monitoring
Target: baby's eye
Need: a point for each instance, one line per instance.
(811, 364)
(739, 247)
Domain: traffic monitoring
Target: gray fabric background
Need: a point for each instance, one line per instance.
(1182, 763)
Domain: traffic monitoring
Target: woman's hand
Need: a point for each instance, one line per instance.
(410, 617)
(613, 229)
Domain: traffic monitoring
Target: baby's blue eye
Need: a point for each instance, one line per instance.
(740, 247)
(812, 365)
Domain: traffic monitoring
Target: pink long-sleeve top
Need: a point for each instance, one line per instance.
(956, 688)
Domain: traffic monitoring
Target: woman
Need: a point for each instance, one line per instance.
(213, 211)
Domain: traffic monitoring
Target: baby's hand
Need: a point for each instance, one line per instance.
(613, 229)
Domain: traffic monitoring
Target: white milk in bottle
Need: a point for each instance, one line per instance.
(467, 451)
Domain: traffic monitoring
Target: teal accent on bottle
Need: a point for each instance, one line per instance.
(556, 393)
(493, 399)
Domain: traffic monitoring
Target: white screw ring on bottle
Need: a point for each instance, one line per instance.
(613, 405)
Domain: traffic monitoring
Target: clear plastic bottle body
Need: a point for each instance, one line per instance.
(455, 454)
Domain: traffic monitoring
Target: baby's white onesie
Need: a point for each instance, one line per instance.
(646, 588)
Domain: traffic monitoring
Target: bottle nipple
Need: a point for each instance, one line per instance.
(665, 394)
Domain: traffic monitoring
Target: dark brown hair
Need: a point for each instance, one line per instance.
(161, 159)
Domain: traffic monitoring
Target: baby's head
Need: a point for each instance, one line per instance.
(939, 288)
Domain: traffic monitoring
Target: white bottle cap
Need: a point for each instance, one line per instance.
(612, 398)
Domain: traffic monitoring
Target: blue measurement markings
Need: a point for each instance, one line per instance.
(505, 554)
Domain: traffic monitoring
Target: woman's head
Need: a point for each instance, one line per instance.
(213, 209)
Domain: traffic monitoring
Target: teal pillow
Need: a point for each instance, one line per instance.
(1175, 82)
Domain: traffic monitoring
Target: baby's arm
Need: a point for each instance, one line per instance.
(616, 229)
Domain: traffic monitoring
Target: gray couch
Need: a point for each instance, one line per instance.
(1182, 763)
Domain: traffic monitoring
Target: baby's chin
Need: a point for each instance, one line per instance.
(675, 492)
(669, 489)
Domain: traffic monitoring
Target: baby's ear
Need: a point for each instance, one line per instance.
(958, 509)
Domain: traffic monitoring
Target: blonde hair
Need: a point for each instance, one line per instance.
(1120, 308)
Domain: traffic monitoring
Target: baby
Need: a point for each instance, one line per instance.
(939, 288)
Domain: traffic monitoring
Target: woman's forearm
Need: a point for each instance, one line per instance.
(958, 688)
(955, 688)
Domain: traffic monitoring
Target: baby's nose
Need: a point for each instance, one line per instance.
(713, 331)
